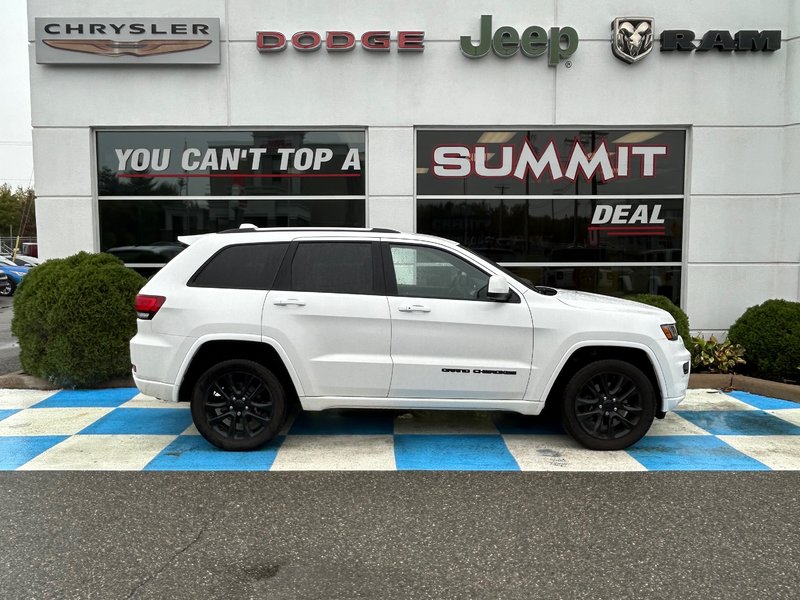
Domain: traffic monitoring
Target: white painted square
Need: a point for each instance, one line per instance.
(787, 414)
(23, 398)
(100, 453)
(50, 421)
(445, 422)
(562, 453)
(711, 400)
(674, 424)
(779, 452)
(142, 401)
(336, 453)
(191, 430)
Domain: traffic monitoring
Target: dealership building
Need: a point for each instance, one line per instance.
(615, 147)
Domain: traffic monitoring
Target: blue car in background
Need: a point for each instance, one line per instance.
(14, 274)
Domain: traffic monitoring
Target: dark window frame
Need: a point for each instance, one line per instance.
(283, 280)
(193, 279)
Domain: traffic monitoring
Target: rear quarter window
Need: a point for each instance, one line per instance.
(241, 267)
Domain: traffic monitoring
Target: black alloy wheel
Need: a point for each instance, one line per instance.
(608, 405)
(238, 405)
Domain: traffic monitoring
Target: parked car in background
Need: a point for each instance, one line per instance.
(23, 260)
(13, 276)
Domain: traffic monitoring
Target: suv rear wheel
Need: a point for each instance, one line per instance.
(238, 405)
(608, 405)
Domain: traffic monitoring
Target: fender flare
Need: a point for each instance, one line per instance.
(221, 337)
(662, 386)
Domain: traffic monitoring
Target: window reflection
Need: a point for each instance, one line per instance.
(141, 229)
(627, 152)
(557, 230)
(563, 197)
(231, 163)
(609, 280)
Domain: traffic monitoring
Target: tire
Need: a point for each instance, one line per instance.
(238, 405)
(608, 405)
(8, 288)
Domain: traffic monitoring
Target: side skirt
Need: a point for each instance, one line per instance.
(325, 402)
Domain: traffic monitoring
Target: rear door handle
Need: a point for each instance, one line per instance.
(414, 308)
(289, 302)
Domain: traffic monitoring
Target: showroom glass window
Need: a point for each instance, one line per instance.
(595, 210)
(154, 186)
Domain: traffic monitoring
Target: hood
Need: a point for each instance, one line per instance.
(587, 301)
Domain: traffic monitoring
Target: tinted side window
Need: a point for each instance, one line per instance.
(423, 272)
(242, 267)
(338, 267)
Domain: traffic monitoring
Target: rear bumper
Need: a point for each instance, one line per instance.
(157, 389)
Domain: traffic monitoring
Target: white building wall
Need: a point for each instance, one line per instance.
(742, 112)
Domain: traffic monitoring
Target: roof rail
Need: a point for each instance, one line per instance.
(247, 228)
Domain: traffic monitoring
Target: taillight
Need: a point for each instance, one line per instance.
(147, 306)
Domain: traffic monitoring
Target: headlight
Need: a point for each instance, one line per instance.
(670, 331)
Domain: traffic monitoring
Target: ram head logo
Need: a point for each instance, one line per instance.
(632, 38)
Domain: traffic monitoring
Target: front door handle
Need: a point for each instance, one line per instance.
(414, 308)
(288, 302)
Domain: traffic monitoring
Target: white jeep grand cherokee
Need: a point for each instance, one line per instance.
(245, 321)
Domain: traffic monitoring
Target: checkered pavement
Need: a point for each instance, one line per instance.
(120, 429)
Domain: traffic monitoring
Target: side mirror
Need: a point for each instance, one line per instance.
(498, 289)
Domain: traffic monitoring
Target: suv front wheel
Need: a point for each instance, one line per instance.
(238, 405)
(608, 405)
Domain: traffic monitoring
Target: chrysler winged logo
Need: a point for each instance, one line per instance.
(632, 38)
(138, 48)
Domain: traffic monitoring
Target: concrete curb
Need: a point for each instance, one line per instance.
(762, 387)
(23, 381)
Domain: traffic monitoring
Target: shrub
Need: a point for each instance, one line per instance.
(681, 320)
(74, 318)
(771, 334)
(715, 356)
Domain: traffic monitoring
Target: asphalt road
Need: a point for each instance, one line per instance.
(399, 535)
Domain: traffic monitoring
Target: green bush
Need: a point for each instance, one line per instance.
(771, 334)
(664, 303)
(717, 357)
(74, 318)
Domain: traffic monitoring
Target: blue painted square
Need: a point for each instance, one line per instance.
(193, 453)
(88, 398)
(142, 421)
(691, 453)
(763, 402)
(7, 413)
(452, 453)
(373, 422)
(512, 423)
(739, 422)
(15, 451)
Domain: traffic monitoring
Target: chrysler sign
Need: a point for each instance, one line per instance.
(61, 40)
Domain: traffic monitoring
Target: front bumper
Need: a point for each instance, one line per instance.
(679, 364)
